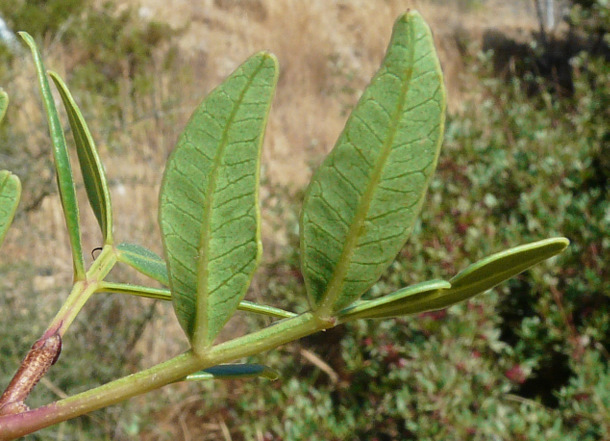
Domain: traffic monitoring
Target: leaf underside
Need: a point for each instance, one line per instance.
(144, 261)
(363, 201)
(10, 192)
(63, 170)
(91, 166)
(209, 212)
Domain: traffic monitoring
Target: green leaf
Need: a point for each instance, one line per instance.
(410, 300)
(3, 103)
(364, 199)
(63, 170)
(89, 160)
(143, 260)
(10, 192)
(234, 372)
(208, 209)
(492, 270)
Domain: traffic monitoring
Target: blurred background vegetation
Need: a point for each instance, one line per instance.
(526, 156)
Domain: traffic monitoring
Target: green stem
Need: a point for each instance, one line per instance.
(165, 294)
(282, 332)
(82, 290)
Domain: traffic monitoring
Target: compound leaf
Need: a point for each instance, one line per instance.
(10, 192)
(91, 166)
(363, 201)
(63, 170)
(208, 210)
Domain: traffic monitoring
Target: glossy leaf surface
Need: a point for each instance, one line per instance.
(362, 202)
(89, 160)
(144, 261)
(63, 170)
(234, 372)
(208, 211)
(410, 300)
(10, 192)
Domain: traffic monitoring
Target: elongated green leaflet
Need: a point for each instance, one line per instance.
(234, 372)
(164, 294)
(363, 201)
(10, 192)
(208, 209)
(489, 272)
(63, 170)
(3, 103)
(89, 160)
(413, 298)
(144, 261)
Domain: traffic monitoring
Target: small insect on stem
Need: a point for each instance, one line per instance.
(40, 358)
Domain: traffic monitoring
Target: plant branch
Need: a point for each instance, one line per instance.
(46, 350)
(176, 369)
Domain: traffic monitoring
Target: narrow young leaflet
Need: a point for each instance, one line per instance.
(208, 211)
(89, 160)
(364, 199)
(63, 170)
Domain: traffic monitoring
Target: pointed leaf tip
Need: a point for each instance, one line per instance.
(495, 269)
(90, 163)
(364, 199)
(63, 170)
(208, 211)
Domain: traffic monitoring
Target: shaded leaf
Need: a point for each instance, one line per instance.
(208, 211)
(363, 201)
(234, 372)
(144, 261)
(10, 192)
(63, 170)
(89, 160)
(409, 300)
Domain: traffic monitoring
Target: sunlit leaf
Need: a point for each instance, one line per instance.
(492, 270)
(208, 211)
(63, 170)
(10, 192)
(410, 300)
(234, 372)
(89, 160)
(364, 199)
(144, 261)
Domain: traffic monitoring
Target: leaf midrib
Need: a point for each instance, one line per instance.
(334, 289)
(200, 335)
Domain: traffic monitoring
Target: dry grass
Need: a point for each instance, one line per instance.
(327, 52)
